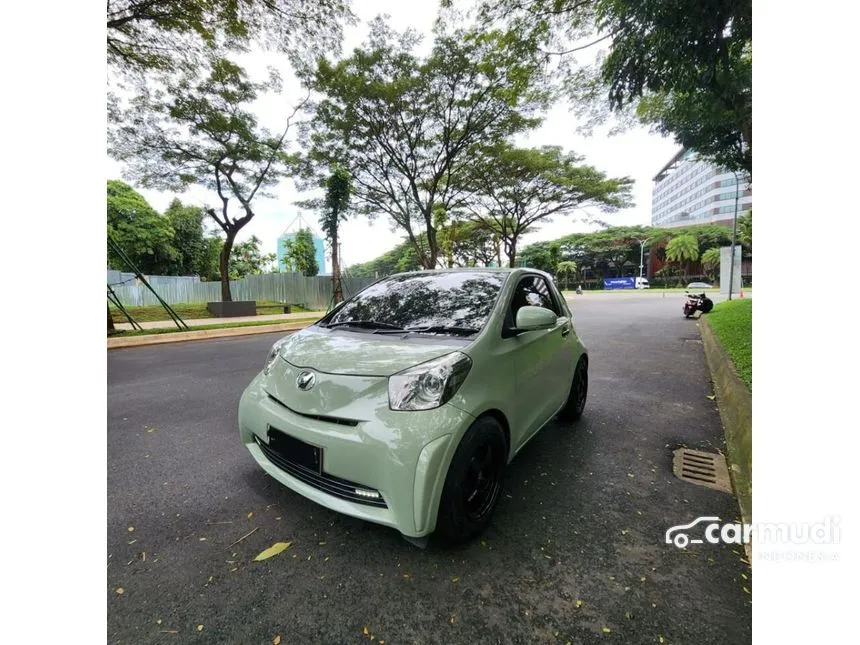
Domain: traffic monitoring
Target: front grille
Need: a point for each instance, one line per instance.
(319, 417)
(334, 486)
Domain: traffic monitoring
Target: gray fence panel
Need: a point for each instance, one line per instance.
(293, 288)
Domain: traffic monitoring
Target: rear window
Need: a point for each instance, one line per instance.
(426, 299)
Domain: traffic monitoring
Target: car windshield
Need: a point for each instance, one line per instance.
(432, 301)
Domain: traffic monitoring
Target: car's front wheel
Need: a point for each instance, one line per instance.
(578, 392)
(474, 482)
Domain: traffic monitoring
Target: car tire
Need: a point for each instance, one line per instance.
(707, 305)
(473, 484)
(575, 405)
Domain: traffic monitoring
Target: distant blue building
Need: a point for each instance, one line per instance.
(289, 233)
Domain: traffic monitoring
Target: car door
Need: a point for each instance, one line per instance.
(537, 357)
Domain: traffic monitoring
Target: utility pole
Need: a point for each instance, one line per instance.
(734, 235)
(642, 244)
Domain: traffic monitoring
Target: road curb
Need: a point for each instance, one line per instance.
(734, 400)
(202, 334)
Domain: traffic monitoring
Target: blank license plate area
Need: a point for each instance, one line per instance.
(295, 450)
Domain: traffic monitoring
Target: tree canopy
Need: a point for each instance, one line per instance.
(205, 133)
(300, 254)
(143, 234)
(167, 35)
(682, 66)
(511, 190)
(248, 259)
(404, 126)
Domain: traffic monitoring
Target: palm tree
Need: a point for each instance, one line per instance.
(711, 260)
(567, 270)
(684, 248)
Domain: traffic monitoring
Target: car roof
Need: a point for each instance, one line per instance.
(514, 270)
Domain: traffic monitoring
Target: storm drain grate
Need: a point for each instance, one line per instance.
(702, 468)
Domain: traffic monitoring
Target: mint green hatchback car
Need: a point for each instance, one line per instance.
(404, 404)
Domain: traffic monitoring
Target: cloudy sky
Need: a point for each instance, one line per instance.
(637, 154)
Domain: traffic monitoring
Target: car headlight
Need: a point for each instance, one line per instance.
(428, 385)
(273, 354)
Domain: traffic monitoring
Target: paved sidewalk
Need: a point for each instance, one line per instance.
(197, 322)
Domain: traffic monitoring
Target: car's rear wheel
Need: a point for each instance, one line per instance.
(474, 482)
(578, 392)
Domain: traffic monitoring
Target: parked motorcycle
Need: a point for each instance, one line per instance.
(697, 302)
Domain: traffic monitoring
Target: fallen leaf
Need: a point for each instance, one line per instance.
(624, 531)
(628, 615)
(199, 628)
(158, 622)
(578, 604)
(130, 529)
(250, 515)
(276, 640)
(455, 580)
(712, 397)
(132, 541)
(747, 590)
(453, 619)
(272, 551)
(365, 631)
(642, 579)
(202, 539)
(606, 630)
(322, 543)
(120, 591)
(660, 638)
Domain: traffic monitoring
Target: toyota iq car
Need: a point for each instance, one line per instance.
(404, 404)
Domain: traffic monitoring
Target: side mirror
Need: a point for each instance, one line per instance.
(531, 318)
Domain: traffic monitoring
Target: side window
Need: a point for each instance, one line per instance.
(533, 291)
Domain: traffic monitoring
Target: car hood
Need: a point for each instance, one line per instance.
(363, 354)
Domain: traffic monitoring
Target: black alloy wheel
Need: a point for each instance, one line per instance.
(575, 406)
(473, 484)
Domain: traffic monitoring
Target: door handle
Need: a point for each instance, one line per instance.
(565, 331)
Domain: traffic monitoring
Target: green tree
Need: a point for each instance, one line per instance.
(300, 254)
(337, 196)
(566, 270)
(205, 134)
(683, 249)
(137, 228)
(512, 190)
(166, 35)
(745, 230)
(189, 237)
(405, 126)
(683, 66)
(248, 259)
(710, 261)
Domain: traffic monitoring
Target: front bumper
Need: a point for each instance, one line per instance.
(402, 455)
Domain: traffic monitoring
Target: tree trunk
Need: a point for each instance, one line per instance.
(224, 266)
(512, 252)
(110, 328)
(432, 248)
(335, 268)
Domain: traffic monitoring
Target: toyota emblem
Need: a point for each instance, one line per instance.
(306, 380)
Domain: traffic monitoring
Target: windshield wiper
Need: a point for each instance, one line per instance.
(444, 329)
(366, 324)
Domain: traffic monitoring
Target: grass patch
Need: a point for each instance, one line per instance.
(194, 311)
(124, 333)
(732, 324)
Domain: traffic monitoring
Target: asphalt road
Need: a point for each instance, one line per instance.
(575, 547)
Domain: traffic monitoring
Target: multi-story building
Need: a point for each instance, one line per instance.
(690, 191)
(290, 233)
